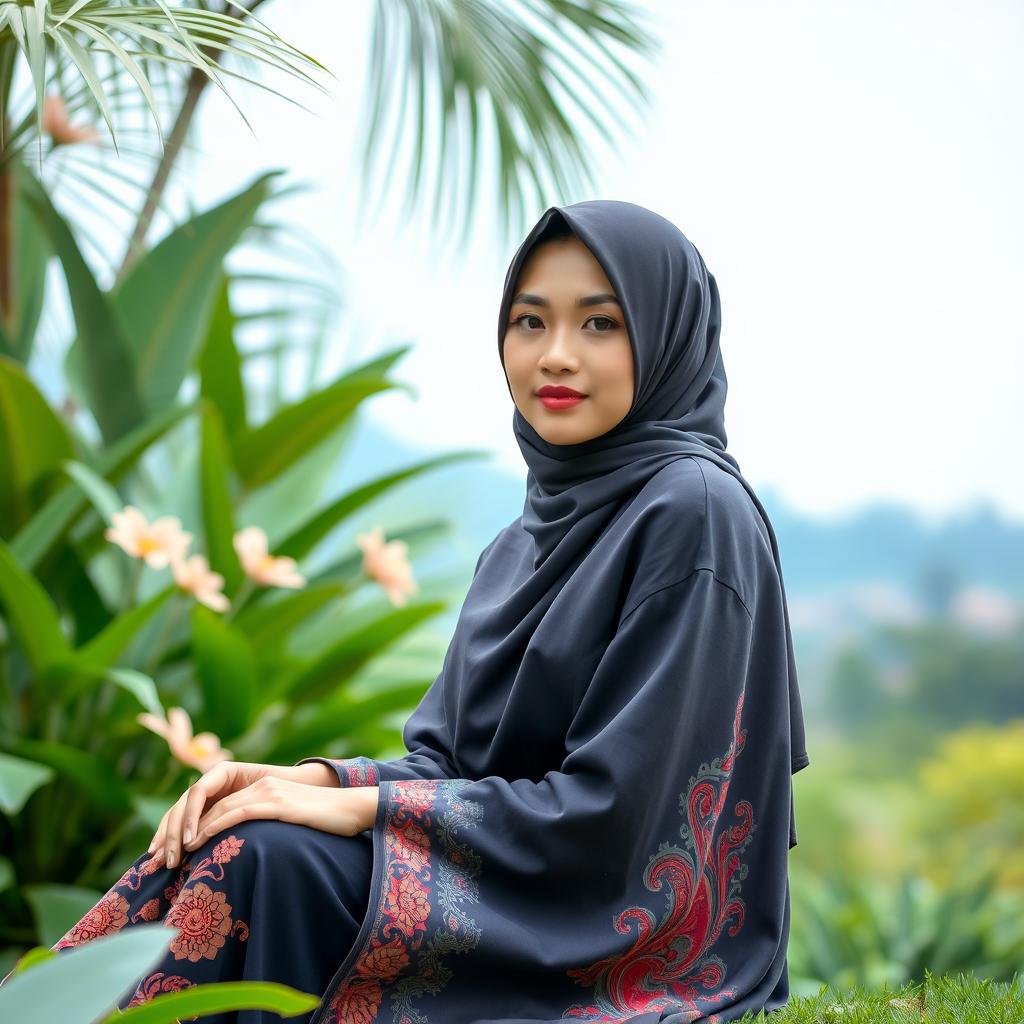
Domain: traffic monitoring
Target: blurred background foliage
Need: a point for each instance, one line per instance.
(167, 392)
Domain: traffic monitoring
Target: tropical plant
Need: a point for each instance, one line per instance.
(83, 985)
(160, 427)
(851, 929)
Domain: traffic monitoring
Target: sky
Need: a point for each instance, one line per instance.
(850, 174)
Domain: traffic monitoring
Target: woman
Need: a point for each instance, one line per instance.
(594, 816)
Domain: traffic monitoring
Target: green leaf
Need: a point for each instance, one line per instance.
(7, 876)
(31, 256)
(107, 365)
(51, 522)
(341, 716)
(94, 778)
(301, 541)
(19, 779)
(109, 644)
(151, 809)
(139, 685)
(102, 495)
(270, 623)
(32, 616)
(78, 985)
(56, 908)
(166, 300)
(33, 441)
(220, 369)
(217, 503)
(227, 672)
(216, 996)
(343, 660)
(264, 452)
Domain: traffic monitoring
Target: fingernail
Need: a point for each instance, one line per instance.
(170, 859)
(188, 835)
(159, 854)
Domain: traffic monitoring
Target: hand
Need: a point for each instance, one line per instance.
(341, 811)
(221, 780)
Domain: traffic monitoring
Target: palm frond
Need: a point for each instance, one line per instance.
(132, 36)
(526, 74)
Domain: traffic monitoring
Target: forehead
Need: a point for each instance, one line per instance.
(564, 263)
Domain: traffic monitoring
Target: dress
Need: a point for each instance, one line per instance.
(247, 902)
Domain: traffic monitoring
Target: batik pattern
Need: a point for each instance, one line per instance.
(356, 771)
(199, 909)
(415, 872)
(670, 964)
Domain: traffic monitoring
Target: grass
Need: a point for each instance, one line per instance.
(963, 999)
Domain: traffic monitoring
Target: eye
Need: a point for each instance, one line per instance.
(612, 324)
(524, 316)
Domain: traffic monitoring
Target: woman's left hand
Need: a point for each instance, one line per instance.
(344, 811)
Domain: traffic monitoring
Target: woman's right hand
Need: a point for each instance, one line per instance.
(222, 779)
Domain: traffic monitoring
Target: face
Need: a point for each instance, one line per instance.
(566, 331)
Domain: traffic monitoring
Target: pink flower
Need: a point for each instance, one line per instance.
(388, 564)
(59, 128)
(194, 576)
(263, 568)
(202, 751)
(159, 543)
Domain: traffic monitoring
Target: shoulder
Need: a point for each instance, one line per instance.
(698, 515)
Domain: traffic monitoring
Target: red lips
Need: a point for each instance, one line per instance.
(558, 391)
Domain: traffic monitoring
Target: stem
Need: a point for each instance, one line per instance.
(131, 589)
(8, 48)
(197, 82)
(243, 595)
(102, 850)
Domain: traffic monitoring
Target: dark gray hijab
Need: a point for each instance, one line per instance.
(671, 307)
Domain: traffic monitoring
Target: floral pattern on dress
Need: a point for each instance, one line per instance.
(414, 873)
(670, 965)
(199, 910)
(356, 771)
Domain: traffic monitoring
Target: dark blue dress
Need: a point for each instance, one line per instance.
(265, 900)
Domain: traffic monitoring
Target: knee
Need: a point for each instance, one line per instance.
(258, 836)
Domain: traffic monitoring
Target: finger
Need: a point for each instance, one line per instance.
(172, 844)
(158, 835)
(207, 788)
(159, 844)
(232, 817)
(267, 790)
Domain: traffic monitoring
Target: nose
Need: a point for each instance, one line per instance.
(559, 352)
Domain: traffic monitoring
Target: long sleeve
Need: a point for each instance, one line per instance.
(633, 884)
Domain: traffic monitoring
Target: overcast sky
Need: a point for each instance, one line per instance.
(851, 174)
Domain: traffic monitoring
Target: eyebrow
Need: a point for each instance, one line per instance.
(587, 300)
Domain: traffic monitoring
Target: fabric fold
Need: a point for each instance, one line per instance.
(613, 889)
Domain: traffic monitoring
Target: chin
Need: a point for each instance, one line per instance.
(565, 435)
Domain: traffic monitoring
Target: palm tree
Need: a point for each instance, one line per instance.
(527, 72)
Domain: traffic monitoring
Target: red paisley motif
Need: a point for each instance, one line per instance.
(670, 964)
